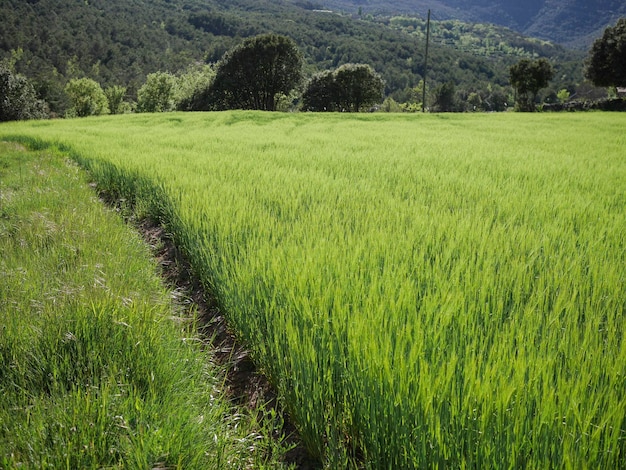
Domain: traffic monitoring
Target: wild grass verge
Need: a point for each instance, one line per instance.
(98, 367)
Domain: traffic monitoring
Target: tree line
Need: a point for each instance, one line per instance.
(265, 72)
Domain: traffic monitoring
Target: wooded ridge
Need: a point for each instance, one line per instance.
(119, 42)
(573, 23)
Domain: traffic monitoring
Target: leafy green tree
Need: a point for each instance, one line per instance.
(445, 101)
(527, 77)
(606, 64)
(115, 99)
(349, 88)
(360, 86)
(321, 93)
(413, 101)
(190, 85)
(255, 73)
(156, 95)
(86, 97)
(18, 100)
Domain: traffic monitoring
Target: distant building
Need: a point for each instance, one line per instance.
(621, 92)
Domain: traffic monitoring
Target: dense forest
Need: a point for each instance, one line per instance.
(120, 42)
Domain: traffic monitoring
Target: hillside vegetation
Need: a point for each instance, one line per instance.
(119, 42)
(574, 23)
(423, 290)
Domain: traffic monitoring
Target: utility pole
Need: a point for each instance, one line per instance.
(426, 62)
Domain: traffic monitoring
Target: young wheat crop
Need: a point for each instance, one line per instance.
(424, 291)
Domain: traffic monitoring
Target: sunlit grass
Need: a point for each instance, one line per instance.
(98, 369)
(423, 290)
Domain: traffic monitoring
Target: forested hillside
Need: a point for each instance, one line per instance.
(574, 23)
(119, 42)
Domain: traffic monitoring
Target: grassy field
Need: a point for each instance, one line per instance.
(98, 367)
(424, 291)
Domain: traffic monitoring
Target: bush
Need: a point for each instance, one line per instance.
(190, 85)
(87, 98)
(115, 99)
(18, 100)
(350, 88)
(157, 94)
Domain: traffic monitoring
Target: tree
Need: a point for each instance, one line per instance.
(349, 88)
(190, 85)
(413, 100)
(527, 78)
(606, 64)
(18, 100)
(157, 94)
(445, 101)
(359, 86)
(86, 97)
(321, 93)
(254, 74)
(115, 99)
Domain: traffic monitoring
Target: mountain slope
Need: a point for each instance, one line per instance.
(119, 42)
(574, 23)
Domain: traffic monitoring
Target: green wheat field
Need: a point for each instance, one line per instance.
(424, 291)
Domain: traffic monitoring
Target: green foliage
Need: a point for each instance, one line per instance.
(425, 291)
(86, 97)
(412, 99)
(157, 94)
(469, 44)
(214, 23)
(606, 64)
(164, 91)
(495, 99)
(390, 106)
(359, 86)
(568, 22)
(321, 93)
(191, 84)
(445, 99)
(255, 73)
(563, 95)
(474, 101)
(487, 40)
(18, 100)
(115, 99)
(527, 78)
(350, 88)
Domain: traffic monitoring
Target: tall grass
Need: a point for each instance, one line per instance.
(98, 369)
(424, 291)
